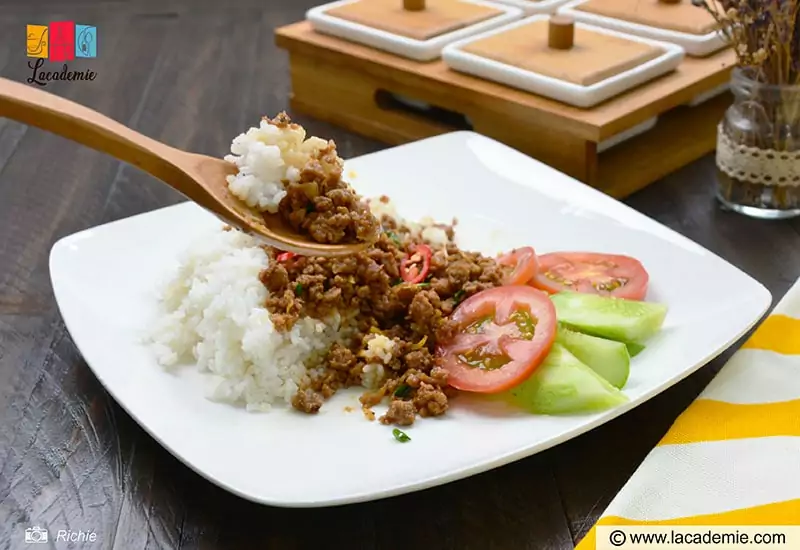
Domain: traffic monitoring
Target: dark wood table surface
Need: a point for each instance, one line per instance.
(194, 73)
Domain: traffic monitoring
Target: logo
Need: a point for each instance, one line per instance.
(85, 41)
(58, 42)
(35, 535)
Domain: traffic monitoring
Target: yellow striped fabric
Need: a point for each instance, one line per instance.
(733, 457)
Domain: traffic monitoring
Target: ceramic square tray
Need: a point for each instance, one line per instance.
(105, 281)
(694, 45)
(420, 50)
(533, 7)
(625, 135)
(456, 57)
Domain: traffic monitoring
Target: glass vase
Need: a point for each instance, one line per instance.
(758, 149)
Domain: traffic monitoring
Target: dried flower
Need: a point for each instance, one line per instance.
(765, 34)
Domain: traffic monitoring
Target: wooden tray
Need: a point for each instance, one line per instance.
(363, 90)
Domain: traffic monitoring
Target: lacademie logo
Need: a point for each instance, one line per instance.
(60, 41)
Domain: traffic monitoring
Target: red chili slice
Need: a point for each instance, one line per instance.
(285, 256)
(414, 268)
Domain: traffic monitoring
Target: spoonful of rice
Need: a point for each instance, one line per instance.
(276, 185)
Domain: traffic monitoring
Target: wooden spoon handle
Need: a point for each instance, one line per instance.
(88, 127)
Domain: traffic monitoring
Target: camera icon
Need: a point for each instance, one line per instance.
(35, 535)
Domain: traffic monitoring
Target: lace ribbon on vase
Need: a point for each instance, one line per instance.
(754, 165)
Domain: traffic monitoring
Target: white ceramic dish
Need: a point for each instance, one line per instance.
(420, 50)
(531, 7)
(566, 92)
(699, 99)
(625, 135)
(105, 278)
(694, 45)
(604, 145)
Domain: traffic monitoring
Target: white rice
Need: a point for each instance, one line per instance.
(379, 347)
(214, 316)
(426, 229)
(266, 157)
(373, 375)
(379, 352)
(213, 307)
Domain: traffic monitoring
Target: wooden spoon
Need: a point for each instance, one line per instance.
(198, 177)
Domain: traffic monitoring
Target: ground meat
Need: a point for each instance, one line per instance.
(430, 400)
(400, 413)
(425, 312)
(340, 358)
(282, 121)
(369, 285)
(458, 272)
(275, 277)
(307, 400)
(419, 359)
(322, 205)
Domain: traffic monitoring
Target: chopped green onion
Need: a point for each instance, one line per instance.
(397, 282)
(400, 436)
(458, 296)
(424, 285)
(298, 290)
(402, 390)
(421, 343)
(394, 237)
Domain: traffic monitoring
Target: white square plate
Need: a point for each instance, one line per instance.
(530, 7)
(697, 45)
(461, 60)
(105, 281)
(420, 50)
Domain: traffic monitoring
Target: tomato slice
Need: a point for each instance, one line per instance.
(504, 333)
(525, 263)
(592, 273)
(414, 268)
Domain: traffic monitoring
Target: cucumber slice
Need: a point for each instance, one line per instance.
(606, 317)
(607, 358)
(564, 385)
(634, 349)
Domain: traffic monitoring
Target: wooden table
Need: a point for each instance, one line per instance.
(194, 73)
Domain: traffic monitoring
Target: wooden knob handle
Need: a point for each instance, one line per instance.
(561, 34)
(414, 5)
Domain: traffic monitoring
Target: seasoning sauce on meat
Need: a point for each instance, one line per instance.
(409, 319)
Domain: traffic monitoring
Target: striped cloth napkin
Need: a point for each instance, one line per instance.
(733, 457)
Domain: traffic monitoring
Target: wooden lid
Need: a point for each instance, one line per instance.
(594, 56)
(561, 32)
(675, 15)
(416, 19)
(413, 5)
